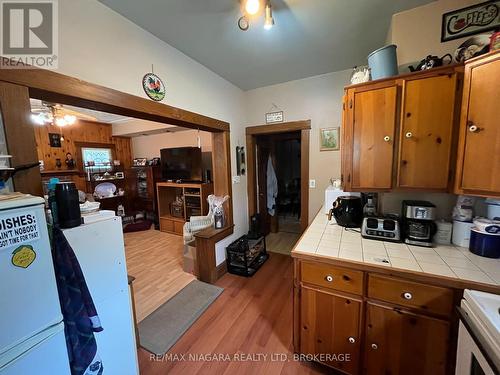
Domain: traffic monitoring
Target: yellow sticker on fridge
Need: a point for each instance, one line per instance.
(23, 256)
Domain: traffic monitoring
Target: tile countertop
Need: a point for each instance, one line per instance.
(326, 239)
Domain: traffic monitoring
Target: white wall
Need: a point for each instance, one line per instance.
(100, 46)
(417, 32)
(149, 146)
(316, 98)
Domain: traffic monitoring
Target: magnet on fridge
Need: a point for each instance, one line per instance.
(23, 256)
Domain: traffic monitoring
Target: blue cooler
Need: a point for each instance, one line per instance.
(484, 244)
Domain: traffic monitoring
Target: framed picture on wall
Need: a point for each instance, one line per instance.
(55, 139)
(471, 20)
(329, 139)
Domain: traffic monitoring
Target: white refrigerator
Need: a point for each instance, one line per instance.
(100, 250)
(31, 324)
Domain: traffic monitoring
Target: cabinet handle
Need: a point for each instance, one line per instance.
(407, 295)
(351, 340)
(374, 346)
(387, 138)
(473, 129)
(329, 278)
(409, 135)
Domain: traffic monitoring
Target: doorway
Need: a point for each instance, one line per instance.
(278, 175)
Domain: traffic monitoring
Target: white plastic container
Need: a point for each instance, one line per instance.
(443, 233)
(461, 233)
(493, 209)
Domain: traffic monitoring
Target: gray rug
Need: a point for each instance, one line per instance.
(160, 330)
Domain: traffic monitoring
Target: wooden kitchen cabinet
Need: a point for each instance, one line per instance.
(478, 162)
(330, 325)
(427, 129)
(389, 325)
(372, 121)
(400, 342)
(400, 132)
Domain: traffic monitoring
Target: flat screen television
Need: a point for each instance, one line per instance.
(182, 163)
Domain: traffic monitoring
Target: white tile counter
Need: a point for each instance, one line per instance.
(325, 239)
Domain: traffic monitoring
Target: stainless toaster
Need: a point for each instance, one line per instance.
(386, 228)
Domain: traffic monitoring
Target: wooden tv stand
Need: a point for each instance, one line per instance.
(195, 203)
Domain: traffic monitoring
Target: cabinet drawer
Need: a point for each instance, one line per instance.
(332, 277)
(430, 298)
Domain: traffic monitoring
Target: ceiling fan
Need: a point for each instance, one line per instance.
(43, 113)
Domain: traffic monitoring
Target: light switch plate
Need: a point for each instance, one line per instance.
(236, 179)
(312, 184)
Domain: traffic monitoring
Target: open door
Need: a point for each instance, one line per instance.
(263, 151)
(260, 141)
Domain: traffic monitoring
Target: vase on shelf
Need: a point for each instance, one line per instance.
(58, 163)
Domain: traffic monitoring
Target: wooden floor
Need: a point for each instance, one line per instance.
(252, 316)
(281, 242)
(155, 259)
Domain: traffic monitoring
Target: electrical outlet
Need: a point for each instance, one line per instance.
(312, 184)
(236, 179)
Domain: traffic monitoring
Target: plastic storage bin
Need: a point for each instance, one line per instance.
(383, 62)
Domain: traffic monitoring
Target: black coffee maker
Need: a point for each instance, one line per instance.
(418, 222)
(348, 211)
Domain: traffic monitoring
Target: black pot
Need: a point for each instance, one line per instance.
(348, 211)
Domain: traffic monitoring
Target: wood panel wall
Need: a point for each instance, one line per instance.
(81, 131)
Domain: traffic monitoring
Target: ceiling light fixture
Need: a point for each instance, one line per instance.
(252, 6)
(269, 20)
(52, 115)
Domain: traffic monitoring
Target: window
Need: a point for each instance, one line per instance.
(97, 157)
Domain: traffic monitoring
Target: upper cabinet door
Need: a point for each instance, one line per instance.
(480, 128)
(373, 121)
(426, 136)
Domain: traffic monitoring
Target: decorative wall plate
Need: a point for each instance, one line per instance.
(153, 87)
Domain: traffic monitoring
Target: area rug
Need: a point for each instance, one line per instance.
(159, 331)
(137, 227)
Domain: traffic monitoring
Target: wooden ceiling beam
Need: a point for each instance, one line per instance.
(55, 87)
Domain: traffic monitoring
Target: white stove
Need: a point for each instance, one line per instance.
(479, 334)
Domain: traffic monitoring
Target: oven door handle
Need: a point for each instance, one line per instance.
(478, 340)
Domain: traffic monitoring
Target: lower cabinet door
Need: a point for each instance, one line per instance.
(329, 329)
(399, 342)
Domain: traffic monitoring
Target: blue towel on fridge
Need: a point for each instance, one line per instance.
(80, 315)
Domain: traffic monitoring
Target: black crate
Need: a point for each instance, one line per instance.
(245, 256)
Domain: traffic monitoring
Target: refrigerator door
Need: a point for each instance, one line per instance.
(48, 355)
(28, 291)
(100, 251)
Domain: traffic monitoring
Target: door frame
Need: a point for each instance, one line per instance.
(304, 127)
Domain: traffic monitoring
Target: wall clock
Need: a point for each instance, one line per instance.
(153, 87)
